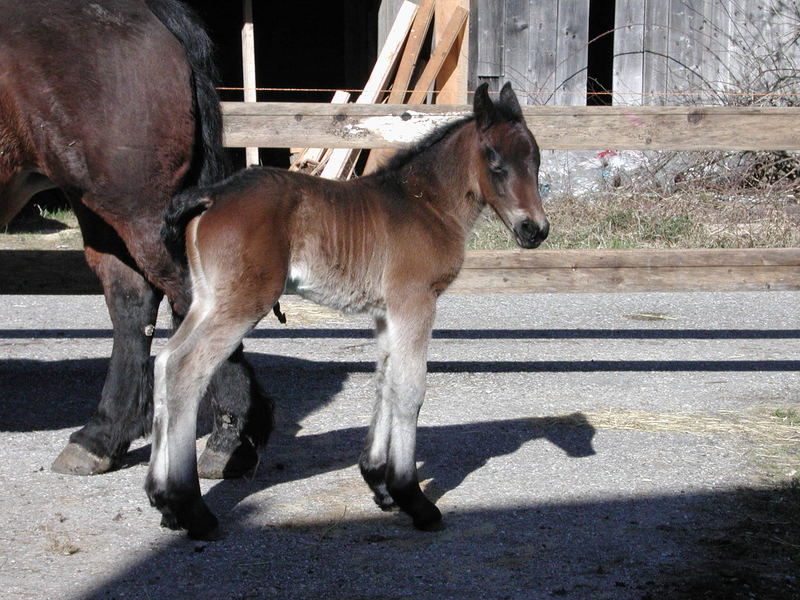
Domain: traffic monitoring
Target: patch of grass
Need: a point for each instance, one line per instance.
(789, 416)
(624, 219)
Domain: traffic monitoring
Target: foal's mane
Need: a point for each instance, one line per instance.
(406, 155)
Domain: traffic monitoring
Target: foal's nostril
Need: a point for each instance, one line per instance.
(527, 229)
(544, 230)
(531, 234)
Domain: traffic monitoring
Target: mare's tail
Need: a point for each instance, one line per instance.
(209, 165)
(180, 210)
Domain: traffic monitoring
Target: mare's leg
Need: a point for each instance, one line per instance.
(409, 324)
(243, 420)
(124, 411)
(374, 456)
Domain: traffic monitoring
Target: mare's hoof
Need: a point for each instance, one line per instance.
(216, 464)
(76, 460)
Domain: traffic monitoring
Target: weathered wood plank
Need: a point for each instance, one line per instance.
(517, 46)
(685, 44)
(489, 40)
(655, 61)
(451, 78)
(572, 51)
(408, 60)
(541, 271)
(628, 68)
(598, 271)
(612, 259)
(629, 280)
(446, 43)
(556, 127)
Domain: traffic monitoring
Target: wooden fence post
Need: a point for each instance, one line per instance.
(249, 67)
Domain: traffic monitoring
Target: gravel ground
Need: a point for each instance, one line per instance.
(579, 446)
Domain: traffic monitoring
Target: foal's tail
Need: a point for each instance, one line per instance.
(209, 164)
(180, 210)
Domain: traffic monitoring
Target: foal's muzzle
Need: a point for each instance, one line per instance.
(530, 234)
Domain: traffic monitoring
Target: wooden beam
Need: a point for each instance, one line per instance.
(249, 68)
(528, 271)
(408, 62)
(555, 127)
(313, 156)
(596, 271)
(451, 80)
(455, 27)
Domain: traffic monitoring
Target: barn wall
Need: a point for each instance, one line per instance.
(703, 51)
(540, 47)
(664, 51)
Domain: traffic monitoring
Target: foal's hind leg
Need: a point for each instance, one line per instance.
(183, 371)
(409, 323)
(374, 456)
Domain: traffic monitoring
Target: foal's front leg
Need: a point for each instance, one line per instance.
(408, 332)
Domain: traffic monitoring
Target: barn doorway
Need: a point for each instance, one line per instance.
(300, 45)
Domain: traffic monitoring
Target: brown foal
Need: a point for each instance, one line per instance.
(387, 244)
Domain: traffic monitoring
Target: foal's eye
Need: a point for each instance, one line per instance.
(495, 162)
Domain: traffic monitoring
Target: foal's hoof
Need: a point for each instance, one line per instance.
(192, 515)
(429, 520)
(206, 531)
(216, 464)
(76, 460)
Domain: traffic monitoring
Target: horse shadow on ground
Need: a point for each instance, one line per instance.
(448, 453)
(683, 547)
(679, 546)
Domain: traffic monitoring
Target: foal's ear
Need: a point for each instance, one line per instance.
(509, 104)
(483, 107)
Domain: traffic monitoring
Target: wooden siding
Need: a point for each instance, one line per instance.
(702, 51)
(665, 51)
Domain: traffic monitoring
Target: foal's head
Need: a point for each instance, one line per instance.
(508, 169)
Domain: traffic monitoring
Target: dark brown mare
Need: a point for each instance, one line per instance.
(113, 102)
(387, 244)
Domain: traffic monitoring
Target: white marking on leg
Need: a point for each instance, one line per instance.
(409, 334)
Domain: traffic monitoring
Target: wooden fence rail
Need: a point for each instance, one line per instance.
(556, 127)
(284, 125)
(543, 271)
